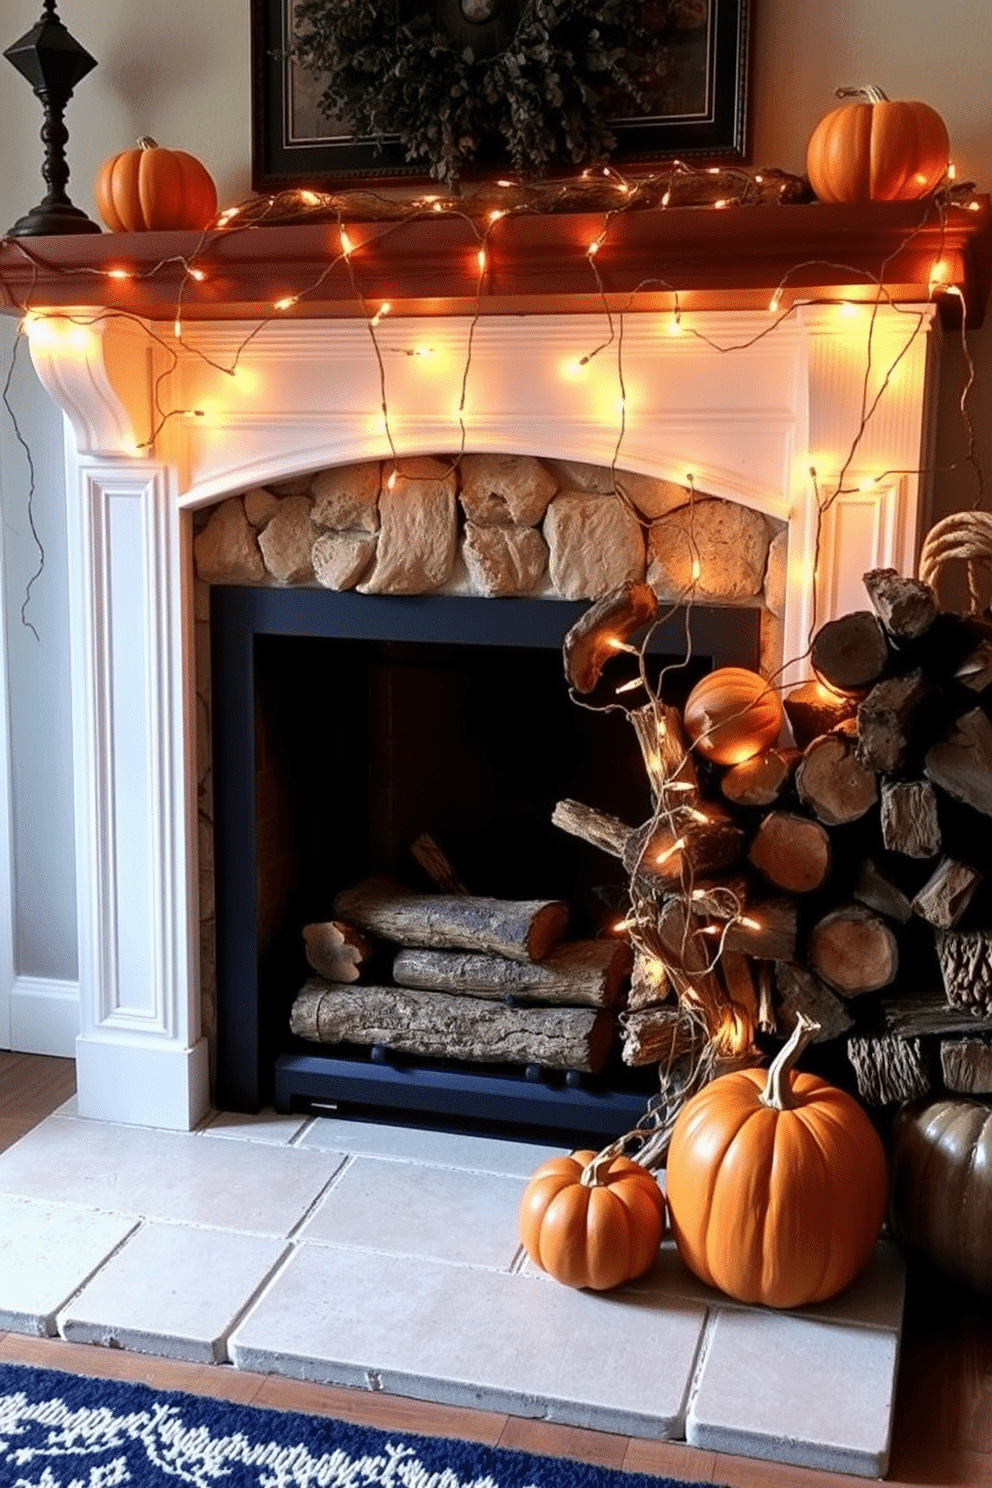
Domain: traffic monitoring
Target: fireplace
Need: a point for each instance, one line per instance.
(374, 719)
(247, 399)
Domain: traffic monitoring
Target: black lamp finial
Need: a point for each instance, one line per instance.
(53, 63)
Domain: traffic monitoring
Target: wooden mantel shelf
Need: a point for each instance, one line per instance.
(731, 260)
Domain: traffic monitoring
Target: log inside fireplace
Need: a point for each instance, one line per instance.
(380, 718)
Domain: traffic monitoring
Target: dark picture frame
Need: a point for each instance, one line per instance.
(286, 151)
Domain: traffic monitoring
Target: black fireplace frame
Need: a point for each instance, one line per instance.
(248, 1076)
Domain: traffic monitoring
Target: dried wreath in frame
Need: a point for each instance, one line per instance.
(463, 83)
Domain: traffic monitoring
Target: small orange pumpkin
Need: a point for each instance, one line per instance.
(592, 1221)
(777, 1185)
(732, 714)
(151, 189)
(877, 149)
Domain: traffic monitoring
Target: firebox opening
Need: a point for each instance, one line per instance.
(361, 744)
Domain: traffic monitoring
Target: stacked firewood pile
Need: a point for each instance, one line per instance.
(471, 978)
(848, 877)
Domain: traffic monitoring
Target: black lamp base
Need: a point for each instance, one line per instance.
(52, 217)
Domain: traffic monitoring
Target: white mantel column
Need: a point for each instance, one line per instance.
(140, 1055)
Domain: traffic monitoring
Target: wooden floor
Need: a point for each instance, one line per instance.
(943, 1427)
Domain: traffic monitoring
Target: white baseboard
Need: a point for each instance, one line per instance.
(44, 1016)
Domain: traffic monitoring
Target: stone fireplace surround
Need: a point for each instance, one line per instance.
(306, 396)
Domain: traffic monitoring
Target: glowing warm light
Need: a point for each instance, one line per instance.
(437, 207)
(940, 275)
(670, 852)
(118, 273)
(481, 260)
(630, 686)
(759, 179)
(391, 482)
(227, 216)
(504, 183)
(177, 329)
(775, 301)
(616, 644)
(496, 214)
(422, 352)
(697, 570)
(697, 815)
(713, 170)
(675, 325)
(383, 309)
(622, 925)
(849, 309)
(952, 171)
(666, 198)
(749, 923)
(285, 303)
(347, 246)
(196, 274)
(721, 203)
(867, 484)
(592, 250)
(310, 198)
(974, 206)
(574, 367)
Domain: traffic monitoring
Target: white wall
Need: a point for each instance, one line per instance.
(180, 72)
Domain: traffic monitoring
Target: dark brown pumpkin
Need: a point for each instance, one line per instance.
(942, 1185)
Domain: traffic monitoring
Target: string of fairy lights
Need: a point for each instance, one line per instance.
(676, 804)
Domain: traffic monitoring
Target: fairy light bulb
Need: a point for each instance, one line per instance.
(496, 214)
(196, 274)
(118, 273)
(775, 301)
(670, 852)
(285, 303)
(177, 329)
(697, 570)
(482, 260)
(391, 482)
(675, 324)
(347, 246)
(666, 198)
(383, 310)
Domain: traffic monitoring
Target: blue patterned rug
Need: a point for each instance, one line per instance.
(67, 1431)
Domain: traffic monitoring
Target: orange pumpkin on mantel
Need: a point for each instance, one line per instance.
(877, 149)
(732, 714)
(152, 189)
(592, 1220)
(777, 1183)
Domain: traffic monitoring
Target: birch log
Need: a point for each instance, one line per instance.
(581, 973)
(523, 930)
(440, 1026)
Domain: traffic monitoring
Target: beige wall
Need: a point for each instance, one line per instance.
(179, 70)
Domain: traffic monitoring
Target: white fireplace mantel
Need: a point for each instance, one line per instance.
(747, 424)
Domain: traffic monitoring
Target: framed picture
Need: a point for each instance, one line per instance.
(692, 71)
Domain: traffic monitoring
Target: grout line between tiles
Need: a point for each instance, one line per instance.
(332, 1183)
(270, 1276)
(111, 1254)
(695, 1378)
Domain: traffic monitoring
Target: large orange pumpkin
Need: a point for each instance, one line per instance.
(732, 714)
(151, 189)
(777, 1186)
(592, 1221)
(877, 149)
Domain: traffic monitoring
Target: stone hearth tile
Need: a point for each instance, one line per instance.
(444, 1214)
(176, 1176)
(47, 1252)
(464, 1336)
(796, 1390)
(268, 1126)
(873, 1300)
(443, 1149)
(174, 1291)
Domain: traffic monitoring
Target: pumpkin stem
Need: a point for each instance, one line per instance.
(589, 1177)
(868, 94)
(147, 143)
(777, 1094)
